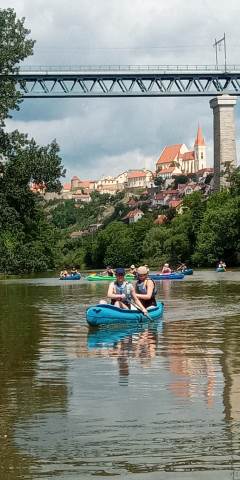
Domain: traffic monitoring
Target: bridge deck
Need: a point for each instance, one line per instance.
(127, 81)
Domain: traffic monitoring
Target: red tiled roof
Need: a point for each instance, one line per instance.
(199, 138)
(160, 196)
(136, 174)
(166, 170)
(174, 203)
(133, 213)
(169, 153)
(188, 156)
(75, 178)
(67, 186)
(172, 192)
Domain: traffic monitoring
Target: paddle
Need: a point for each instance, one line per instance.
(140, 310)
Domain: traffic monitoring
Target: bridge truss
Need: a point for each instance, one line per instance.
(127, 81)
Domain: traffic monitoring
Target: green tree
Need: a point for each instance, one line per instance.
(219, 234)
(15, 46)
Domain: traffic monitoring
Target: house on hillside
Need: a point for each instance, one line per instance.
(139, 178)
(87, 186)
(158, 200)
(133, 216)
(177, 204)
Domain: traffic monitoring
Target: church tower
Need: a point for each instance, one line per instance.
(200, 151)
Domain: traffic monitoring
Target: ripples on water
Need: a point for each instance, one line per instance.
(151, 402)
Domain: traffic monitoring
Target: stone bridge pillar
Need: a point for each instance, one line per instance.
(225, 157)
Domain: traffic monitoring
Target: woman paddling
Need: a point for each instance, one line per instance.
(122, 293)
(145, 288)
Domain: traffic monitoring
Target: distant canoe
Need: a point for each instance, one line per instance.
(166, 276)
(99, 278)
(71, 277)
(188, 271)
(105, 314)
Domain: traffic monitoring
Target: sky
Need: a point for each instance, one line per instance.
(106, 136)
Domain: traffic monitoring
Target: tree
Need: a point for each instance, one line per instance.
(219, 233)
(180, 179)
(27, 239)
(159, 182)
(14, 47)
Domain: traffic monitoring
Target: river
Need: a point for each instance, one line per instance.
(157, 402)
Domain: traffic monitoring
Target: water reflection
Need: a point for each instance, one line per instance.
(139, 343)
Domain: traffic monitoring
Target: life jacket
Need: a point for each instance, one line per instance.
(125, 288)
(141, 288)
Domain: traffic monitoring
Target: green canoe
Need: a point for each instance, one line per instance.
(97, 278)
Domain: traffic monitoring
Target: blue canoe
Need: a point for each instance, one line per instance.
(220, 269)
(105, 314)
(71, 277)
(166, 276)
(188, 271)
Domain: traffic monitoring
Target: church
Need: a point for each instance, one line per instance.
(178, 159)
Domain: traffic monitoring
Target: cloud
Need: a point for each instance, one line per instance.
(98, 136)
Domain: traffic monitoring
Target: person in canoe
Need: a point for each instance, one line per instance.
(222, 264)
(182, 267)
(132, 270)
(122, 293)
(63, 273)
(108, 272)
(145, 288)
(74, 271)
(166, 268)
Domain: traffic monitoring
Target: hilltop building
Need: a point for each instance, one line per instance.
(178, 159)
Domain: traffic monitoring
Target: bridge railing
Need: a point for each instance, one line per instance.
(126, 68)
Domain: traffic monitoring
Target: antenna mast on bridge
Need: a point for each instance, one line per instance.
(217, 45)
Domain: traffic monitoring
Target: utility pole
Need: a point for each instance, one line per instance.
(217, 45)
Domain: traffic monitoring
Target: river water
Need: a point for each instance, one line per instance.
(157, 402)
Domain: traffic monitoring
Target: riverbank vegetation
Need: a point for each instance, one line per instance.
(36, 235)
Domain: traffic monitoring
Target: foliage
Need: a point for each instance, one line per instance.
(219, 234)
(159, 182)
(179, 180)
(14, 47)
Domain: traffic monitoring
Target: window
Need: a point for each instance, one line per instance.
(201, 155)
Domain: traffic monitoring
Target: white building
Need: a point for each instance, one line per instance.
(139, 178)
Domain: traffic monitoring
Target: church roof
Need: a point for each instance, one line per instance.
(188, 156)
(199, 138)
(169, 153)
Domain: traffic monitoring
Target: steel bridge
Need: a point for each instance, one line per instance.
(127, 81)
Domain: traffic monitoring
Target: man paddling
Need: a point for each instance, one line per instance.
(122, 293)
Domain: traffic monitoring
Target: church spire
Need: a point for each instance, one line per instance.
(199, 141)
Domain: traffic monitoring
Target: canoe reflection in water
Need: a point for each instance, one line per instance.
(123, 344)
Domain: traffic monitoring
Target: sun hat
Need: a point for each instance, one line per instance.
(142, 270)
(166, 265)
(120, 271)
(132, 266)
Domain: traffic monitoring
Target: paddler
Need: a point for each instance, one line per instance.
(122, 293)
(109, 271)
(132, 270)
(145, 288)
